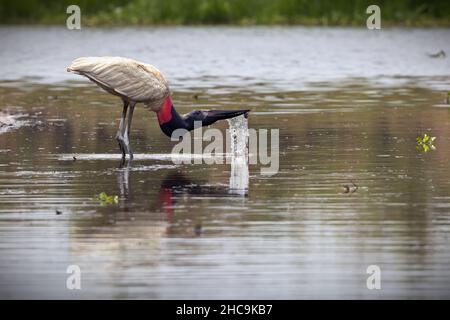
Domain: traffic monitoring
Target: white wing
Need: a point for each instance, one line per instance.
(130, 79)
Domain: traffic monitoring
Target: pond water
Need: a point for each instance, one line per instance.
(352, 189)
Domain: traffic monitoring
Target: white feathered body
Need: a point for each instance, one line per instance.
(131, 80)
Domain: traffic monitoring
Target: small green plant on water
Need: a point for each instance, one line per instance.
(425, 143)
(104, 199)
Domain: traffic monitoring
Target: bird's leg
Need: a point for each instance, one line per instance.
(119, 135)
(128, 129)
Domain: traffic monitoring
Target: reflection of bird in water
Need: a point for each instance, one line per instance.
(176, 183)
(123, 178)
(136, 82)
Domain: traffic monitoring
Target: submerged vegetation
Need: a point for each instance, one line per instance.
(425, 143)
(238, 12)
(106, 199)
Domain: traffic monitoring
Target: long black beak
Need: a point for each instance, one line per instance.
(215, 115)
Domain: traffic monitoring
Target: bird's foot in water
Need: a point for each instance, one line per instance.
(127, 147)
(124, 146)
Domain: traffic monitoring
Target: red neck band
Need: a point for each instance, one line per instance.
(165, 113)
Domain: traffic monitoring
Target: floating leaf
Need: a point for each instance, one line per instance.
(105, 199)
(425, 143)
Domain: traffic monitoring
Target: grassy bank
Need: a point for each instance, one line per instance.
(236, 12)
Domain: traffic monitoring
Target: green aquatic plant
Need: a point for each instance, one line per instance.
(105, 199)
(425, 143)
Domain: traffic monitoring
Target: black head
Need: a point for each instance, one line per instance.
(208, 117)
(170, 120)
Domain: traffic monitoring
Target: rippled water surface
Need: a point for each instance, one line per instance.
(352, 189)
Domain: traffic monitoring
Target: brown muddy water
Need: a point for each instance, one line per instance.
(349, 105)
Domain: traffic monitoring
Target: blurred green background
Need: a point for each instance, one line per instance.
(238, 12)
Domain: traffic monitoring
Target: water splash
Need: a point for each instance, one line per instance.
(239, 177)
(9, 122)
(239, 136)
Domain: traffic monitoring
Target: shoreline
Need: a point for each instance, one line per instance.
(92, 23)
(226, 12)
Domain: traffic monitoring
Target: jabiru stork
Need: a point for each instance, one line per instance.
(134, 82)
